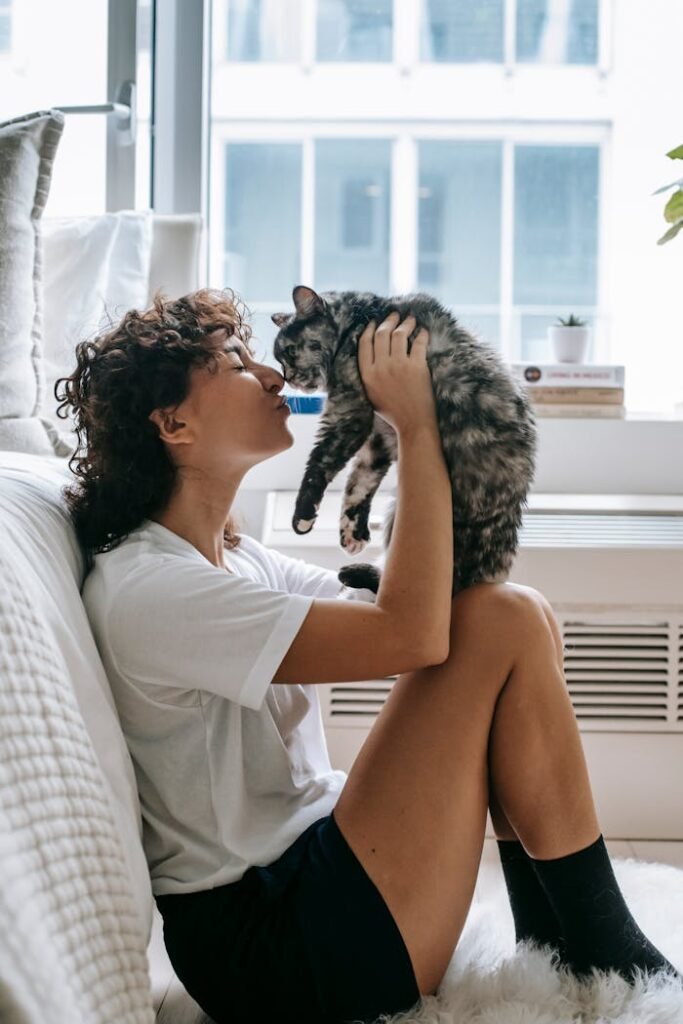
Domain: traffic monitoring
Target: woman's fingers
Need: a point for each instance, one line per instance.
(366, 355)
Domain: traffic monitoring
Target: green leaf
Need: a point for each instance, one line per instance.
(671, 233)
(676, 154)
(665, 188)
(673, 210)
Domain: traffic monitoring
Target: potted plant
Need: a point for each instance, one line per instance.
(673, 215)
(673, 211)
(569, 338)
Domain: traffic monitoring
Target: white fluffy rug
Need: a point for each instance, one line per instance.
(488, 982)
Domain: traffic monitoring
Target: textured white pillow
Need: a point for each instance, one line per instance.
(94, 270)
(27, 150)
(38, 539)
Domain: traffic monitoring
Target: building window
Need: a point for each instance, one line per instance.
(557, 31)
(462, 32)
(262, 219)
(264, 30)
(5, 26)
(354, 30)
(352, 205)
(546, 31)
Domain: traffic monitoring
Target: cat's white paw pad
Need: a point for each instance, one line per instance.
(348, 541)
(304, 525)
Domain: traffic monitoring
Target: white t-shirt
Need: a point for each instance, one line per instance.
(230, 769)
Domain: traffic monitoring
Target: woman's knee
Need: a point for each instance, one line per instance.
(504, 610)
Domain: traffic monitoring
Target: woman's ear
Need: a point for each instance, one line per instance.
(170, 429)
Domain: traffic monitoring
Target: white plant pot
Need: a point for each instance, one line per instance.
(570, 344)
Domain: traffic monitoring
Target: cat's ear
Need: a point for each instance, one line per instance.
(280, 318)
(307, 302)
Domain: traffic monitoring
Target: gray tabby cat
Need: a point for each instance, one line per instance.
(485, 420)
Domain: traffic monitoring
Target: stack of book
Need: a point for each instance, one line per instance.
(573, 389)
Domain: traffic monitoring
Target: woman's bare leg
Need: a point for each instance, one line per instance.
(414, 806)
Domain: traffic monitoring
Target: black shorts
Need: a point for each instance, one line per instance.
(308, 938)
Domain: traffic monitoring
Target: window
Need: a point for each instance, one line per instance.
(50, 66)
(457, 30)
(352, 192)
(262, 219)
(490, 154)
(5, 26)
(355, 30)
(263, 30)
(557, 33)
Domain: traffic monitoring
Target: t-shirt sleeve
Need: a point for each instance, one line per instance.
(184, 625)
(305, 578)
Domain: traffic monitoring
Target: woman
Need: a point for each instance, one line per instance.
(289, 890)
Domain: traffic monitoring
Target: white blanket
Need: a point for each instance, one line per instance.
(72, 948)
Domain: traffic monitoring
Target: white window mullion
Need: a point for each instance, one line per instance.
(308, 212)
(509, 323)
(605, 36)
(509, 33)
(403, 217)
(407, 15)
(121, 68)
(309, 13)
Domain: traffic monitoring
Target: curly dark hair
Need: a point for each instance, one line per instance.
(142, 363)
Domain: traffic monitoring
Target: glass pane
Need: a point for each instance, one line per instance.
(5, 29)
(557, 31)
(556, 225)
(484, 326)
(262, 245)
(352, 200)
(459, 221)
(260, 30)
(461, 31)
(355, 30)
(50, 68)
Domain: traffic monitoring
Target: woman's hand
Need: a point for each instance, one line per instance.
(397, 383)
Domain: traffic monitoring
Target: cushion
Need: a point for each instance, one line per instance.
(27, 150)
(38, 539)
(95, 269)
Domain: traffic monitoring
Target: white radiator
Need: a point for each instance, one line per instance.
(612, 568)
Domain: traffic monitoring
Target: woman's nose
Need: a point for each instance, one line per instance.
(273, 379)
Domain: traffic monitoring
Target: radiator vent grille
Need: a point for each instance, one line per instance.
(541, 529)
(618, 671)
(620, 675)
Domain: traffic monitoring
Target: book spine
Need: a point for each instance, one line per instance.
(598, 396)
(535, 375)
(568, 410)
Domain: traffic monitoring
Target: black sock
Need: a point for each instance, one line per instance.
(598, 928)
(532, 912)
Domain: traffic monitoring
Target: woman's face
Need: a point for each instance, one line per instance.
(234, 412)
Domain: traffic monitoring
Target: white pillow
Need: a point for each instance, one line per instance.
(94, 270)
(27, 151)
(38, 539)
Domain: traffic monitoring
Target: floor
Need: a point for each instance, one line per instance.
(663, 851)
(174, 1006)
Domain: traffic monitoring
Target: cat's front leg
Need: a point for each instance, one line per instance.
(343, 429)
(369, 469)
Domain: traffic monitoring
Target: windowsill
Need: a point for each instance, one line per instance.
(637, 454)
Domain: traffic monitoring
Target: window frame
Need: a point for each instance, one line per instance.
(403, 254)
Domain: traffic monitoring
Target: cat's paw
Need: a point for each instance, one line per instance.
(353, 532)
(305, 515)
(362, 575)
(303, 525)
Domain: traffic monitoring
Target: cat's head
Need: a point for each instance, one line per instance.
(306, 342)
